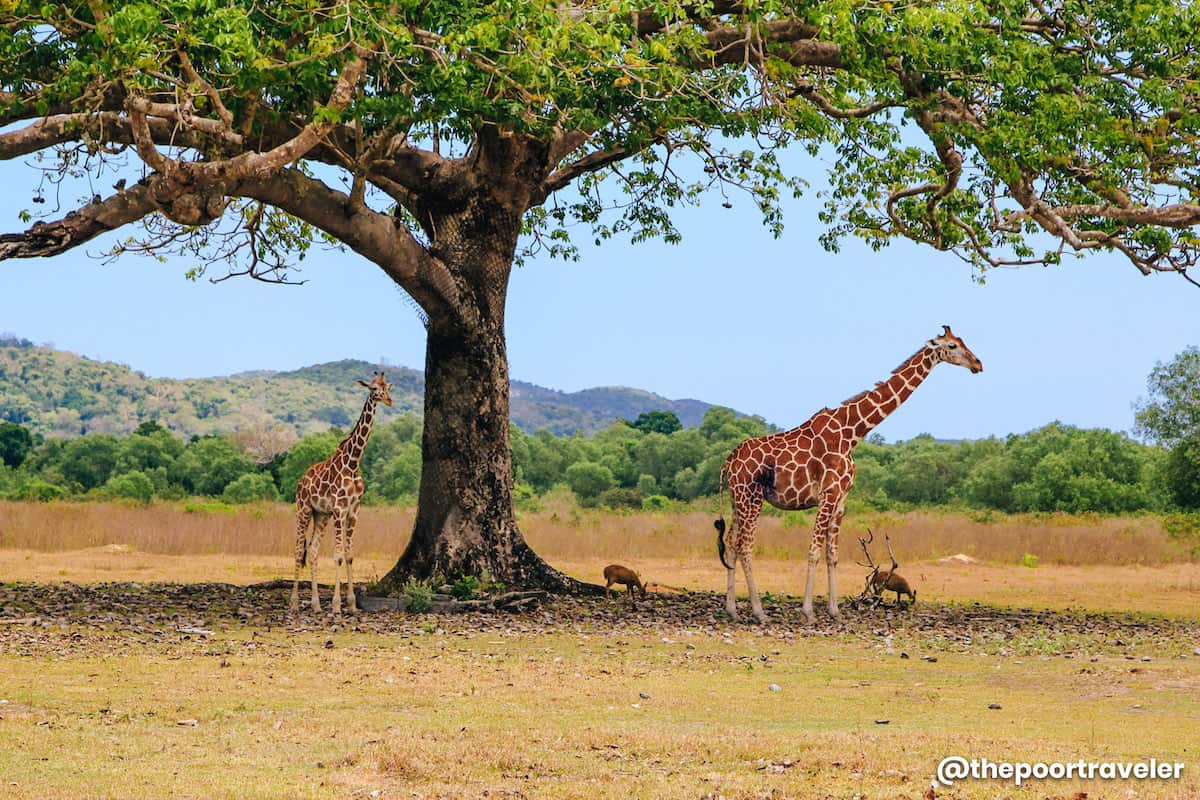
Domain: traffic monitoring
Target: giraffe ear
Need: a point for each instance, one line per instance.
(364, 383)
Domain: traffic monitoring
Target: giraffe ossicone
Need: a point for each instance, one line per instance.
(332, 489)
(811, 467)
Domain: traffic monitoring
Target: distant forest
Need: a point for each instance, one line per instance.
(651, 462)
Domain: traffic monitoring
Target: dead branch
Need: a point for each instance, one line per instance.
(891, 555)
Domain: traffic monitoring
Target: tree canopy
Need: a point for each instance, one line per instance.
(1171, 413)
(248, 129)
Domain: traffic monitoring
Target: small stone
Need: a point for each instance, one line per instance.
(643, 695)
(329, 644)
(1145, 658)
(994, 706)
(930, 659)
(1196, 652)
(187, 723)
(775, 687)
(882, 721)
(904, 655)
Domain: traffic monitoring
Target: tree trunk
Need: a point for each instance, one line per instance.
(465, 523)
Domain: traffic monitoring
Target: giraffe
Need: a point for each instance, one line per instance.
(332, 489)
(811, 466)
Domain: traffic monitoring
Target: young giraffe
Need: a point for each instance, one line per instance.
(332, 489)
(811, 466)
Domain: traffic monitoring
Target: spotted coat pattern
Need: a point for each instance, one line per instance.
(332, 489)
(811, 467)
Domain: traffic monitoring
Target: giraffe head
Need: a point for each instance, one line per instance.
(381, 390)
(953, 350)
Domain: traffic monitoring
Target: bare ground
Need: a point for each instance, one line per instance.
(155, 608)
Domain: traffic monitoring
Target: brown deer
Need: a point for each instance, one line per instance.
(883, 580)
(615, 573)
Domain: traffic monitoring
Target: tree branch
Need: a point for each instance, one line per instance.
(592, 162)
(80, 226)
(379, 237)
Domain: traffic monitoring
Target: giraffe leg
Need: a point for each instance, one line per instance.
(829, 516)
(831, 555)
(747, 503)
(814, 555)
(755, 603)
(303, 520)
(314, 547)
(339, 545)
(730, 599)
(351, 519)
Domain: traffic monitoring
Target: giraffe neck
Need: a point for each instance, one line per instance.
(867, 409)
(351, 448)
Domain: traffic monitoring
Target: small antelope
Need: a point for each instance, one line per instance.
(892, 581)
(615, 573)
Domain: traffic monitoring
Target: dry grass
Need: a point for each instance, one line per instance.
(568, 534)
(916, 536)
(176, 530)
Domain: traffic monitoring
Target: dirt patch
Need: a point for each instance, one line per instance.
(197, 609)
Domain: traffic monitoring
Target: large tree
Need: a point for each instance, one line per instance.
(442, 140)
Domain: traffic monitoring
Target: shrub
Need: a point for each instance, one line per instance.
(465, 587)
(418, 595)
(253, 487)
(525, 498)
(38, 490)
(1030, 560)
(656, 502)
(1182, 526)
(135, 485)
(589, 480)
(620, 497)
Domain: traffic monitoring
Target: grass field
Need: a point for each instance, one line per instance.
(205, 690)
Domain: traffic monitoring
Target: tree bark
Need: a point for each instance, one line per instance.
(465, 522)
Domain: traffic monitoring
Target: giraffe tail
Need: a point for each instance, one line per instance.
(719, 522)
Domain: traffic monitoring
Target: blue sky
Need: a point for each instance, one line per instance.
(730, 316)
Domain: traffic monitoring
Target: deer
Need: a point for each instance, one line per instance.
(615, 573)
(883, 580)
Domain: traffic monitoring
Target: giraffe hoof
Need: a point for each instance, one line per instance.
(809, 616)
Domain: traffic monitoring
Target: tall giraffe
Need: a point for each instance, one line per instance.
(332, 489)
(811, 466)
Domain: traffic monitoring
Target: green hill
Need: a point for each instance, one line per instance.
(57, 393)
